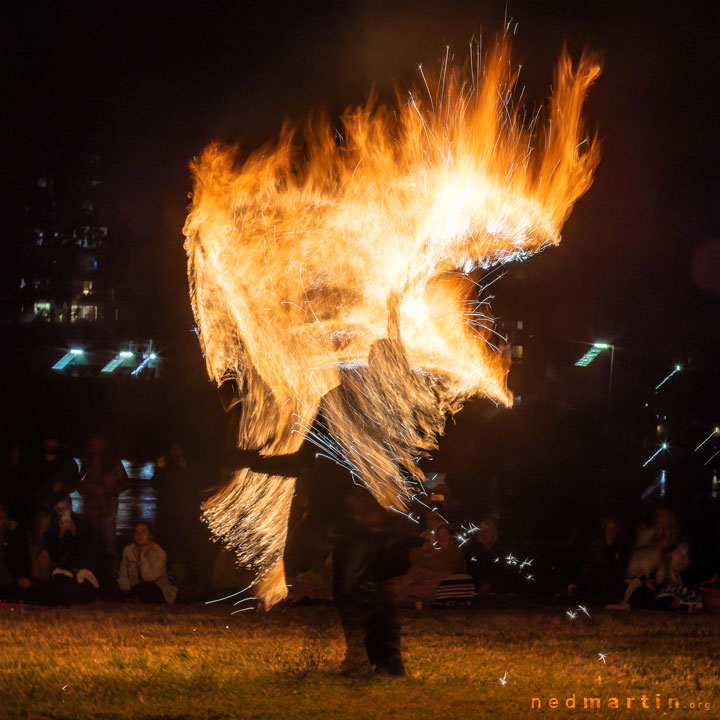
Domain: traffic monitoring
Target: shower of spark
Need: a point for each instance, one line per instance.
(343, 278)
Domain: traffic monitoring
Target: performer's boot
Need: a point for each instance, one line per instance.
(382, 637)
(356, 660)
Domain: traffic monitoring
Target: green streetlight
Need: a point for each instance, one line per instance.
(595, 349)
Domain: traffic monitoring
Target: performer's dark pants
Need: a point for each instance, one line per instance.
(369, 618)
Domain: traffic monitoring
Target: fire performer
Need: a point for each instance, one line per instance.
(336, 292)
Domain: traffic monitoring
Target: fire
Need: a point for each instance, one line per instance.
(343, 269)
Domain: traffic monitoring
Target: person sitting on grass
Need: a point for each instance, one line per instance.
(72, 547)
(480, 553)
(659, 556)
(28, 559)
(600, 577)
(143, 569)
(430, 564)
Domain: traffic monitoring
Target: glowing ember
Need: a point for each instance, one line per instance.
(344, 271)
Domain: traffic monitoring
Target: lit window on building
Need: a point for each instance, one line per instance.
(42, 310)
(87, 287)
(81, 312)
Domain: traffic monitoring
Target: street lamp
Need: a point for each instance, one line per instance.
(595, 349)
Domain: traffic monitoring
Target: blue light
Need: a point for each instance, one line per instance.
(677, 369)
(66, 359)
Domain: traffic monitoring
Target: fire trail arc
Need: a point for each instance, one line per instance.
(340, 278)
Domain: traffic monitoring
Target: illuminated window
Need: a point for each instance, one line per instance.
(82, 312)
(42, 310)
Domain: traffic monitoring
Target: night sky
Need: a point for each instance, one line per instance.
(148, 84)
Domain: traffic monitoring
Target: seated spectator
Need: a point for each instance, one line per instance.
(442, 500)
(313, 584)
(601, 576)
(429, 566)
(28, 559)
(395, 560)
(433, 520)
(480, 557)
(659, 556)
(72, 546)
(143, 569)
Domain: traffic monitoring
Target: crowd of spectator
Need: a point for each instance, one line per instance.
(52, 555)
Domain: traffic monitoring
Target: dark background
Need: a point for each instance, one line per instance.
(148, 85)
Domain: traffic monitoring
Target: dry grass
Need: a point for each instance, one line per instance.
(112, 661)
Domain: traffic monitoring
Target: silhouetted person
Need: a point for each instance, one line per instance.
(104, 478)
(601, 575)
(480, 554)
(178, 527)
(332, 513)
(54, 475)
(15, 486)
(29, 561)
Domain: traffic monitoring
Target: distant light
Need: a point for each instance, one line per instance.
(677, 369)
(117, 361)
(664, 446)
(592, 353)
(144, 363)
(67, 358)
(715, 431)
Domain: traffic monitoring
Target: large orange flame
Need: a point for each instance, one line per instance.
(343, 270)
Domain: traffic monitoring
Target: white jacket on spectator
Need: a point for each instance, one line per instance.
(151, 567)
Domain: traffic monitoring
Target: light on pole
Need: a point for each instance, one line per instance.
(595, 349)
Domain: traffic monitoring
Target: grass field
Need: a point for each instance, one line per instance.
(120, 661)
